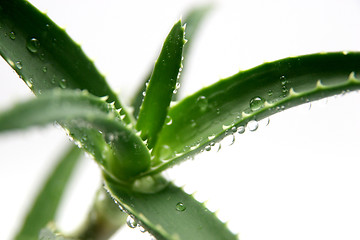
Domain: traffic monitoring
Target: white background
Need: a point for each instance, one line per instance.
(297, 178)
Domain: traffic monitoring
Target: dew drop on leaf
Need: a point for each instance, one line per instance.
(142, 229)
(62, 83)
(202, 103)
(168, 120)
(33, 45)
(12, 35)
(42, 56)
(18, 64)
(219, 147)
(208, 148)
(211, 137)
(283, 79)
(267, 121)
(44, 69)
(180, 207)
(29, 82)
(192, 123)
(131, 222)
(253, 125)
(233, 129)
(256, 103)
(241, 129)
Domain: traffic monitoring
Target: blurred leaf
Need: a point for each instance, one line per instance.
(47, 201)
(123, 154)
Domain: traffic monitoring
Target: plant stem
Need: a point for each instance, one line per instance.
(103, 220)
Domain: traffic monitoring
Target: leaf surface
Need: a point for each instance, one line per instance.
(170, 213)
(192, 21)
(120, 152)
(47, 201)
(44, 56)
(162, 83)
(212, 113)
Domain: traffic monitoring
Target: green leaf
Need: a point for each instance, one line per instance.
(192, 21)
(122, 154)
(162, 83)
(214, 112)
(170, 213)
(43, 54)
(47, 201)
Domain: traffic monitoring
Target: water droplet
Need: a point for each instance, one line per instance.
(256, 103)
(192, 123)
(233, 129)
(168, 120)
(44, 69)
(241, 129)
(180, 207)
(62, 83)
(253, 125)
(211, 137)
(195, 146)
(12, 35)
(42, 56)
(177, 86)
(165, 150)
(33, 45)
(142, 229)
(228, 140)
(208, 148)
(18, 64)
(131, 222)
(270, 93)
(219, 147)
(29, 82)
(202, 102)
(283, 79)
(267, 121)
(144, 93)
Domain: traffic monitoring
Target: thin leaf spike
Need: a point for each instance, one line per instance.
(43, 54)
(162, 83)
(192, 21)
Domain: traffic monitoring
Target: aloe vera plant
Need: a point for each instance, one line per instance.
(133, 151)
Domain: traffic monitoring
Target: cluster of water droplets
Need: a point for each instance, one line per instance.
(33, 46)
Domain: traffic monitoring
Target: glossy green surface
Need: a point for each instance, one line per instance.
(161, 86)
(192, 22)
(170, 213)
(48, 200)
(216, 111)
(44, 56)
(122, 154)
